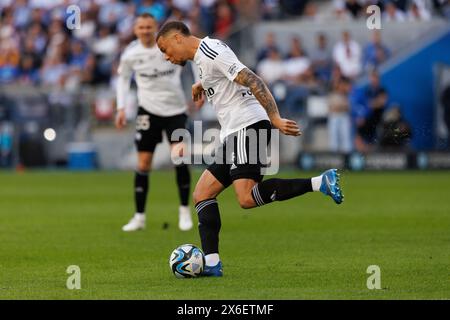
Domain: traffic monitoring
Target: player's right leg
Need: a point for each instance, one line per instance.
(141, 186)
(207, 189)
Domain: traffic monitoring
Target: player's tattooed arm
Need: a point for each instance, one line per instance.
(248, 78)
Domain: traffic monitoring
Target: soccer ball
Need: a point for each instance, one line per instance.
(187, 261)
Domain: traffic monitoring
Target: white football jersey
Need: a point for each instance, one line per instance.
(160, 91)
(235, 105)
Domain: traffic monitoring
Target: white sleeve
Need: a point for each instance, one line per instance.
(228, 64)
(124, 72)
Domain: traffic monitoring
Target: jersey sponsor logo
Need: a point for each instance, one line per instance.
(157, 74)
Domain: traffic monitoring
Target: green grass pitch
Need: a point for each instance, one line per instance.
(304, 248)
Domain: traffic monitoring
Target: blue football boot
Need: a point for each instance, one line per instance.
(215, 271)
(330, 185)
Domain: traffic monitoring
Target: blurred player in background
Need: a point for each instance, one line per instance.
(243, 103)
(162, 107)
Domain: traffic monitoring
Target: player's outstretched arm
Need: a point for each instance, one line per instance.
(249, 79)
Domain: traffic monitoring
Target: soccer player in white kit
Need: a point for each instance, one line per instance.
(162, 107)
(243, 103)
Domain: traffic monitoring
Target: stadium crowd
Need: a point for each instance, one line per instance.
(37, 48)
(330, 71)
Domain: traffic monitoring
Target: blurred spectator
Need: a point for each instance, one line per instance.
(399, 4)
(270, 9)
(311, 11)
(125, 25)
(9, 62)
(347, 56)
(207, 15)
(297, 66)
(270, 44)
(178, 15)
(54, 71)
(340, 10)
(321, 59)
(36, 32)
(224, 20)
(111, 13)
(271, 69)
(445, 101)
(298, 77)
(28, 49)
(105, 49)
(396, 132)
(22, 13)
(354, 7)
(10, 56)
(339, 123)
(376, 100)
(416, 13)
(442, 8)
(392, 13)
(78, 54)
(296, 48)
(156, 9)
(28, 72)
(375, 53)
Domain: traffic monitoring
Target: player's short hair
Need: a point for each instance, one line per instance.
(173, 25)
(145, 15)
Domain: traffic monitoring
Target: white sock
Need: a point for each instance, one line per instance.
(212, 259)
(184, 208)
(316, 182)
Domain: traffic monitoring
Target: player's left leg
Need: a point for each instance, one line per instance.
(251, 193)
(183, 178)
(247, 177)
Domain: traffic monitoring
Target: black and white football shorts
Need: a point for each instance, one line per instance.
(243, 154)
(149, 128)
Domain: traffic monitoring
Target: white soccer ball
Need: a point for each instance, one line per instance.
(187, 261)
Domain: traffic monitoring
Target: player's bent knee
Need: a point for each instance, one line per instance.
(201, 194)
(246, 202)
(143, 167)
(144, 164)
(198, 196)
